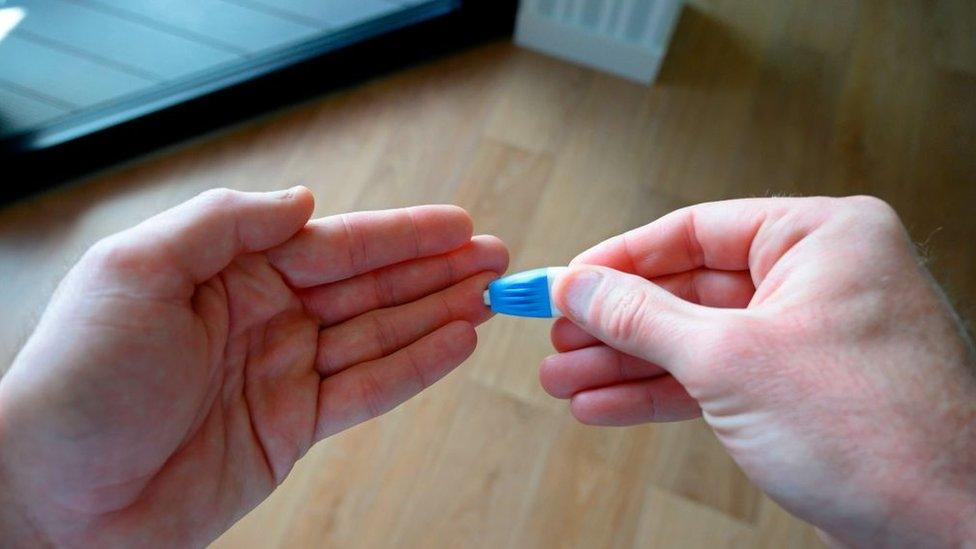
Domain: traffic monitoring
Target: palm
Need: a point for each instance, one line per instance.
(195, 389)
(248, 382)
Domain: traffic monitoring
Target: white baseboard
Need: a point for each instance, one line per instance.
(602, 46)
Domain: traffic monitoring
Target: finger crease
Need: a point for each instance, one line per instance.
(384, 336)
(696, 252)
(371, 393)
(620, 366)
(355, 240)
(651, 402)
(418, 372)
(324, 362)
(417, 248)
(383, 289)
(693, 290)
(446, 306)
(625, 241)
(450, 267)
(238, 237)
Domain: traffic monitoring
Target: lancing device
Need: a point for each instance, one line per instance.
(528, 293)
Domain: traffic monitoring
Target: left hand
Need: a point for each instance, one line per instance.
(183, 366)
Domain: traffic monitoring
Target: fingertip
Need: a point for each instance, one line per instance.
(574, 289)
(549, 378)
(485, 277)
(291, 206)
(579, 260)
(302, 200)
(495, 247)
(489, 240)
(567, 336)
(660, 399)
(464, 214)
(587, 408)
(295, 208)
(460, 215)
(556, 332)
(603, 408)
(303, 196)
(463, 334)
(479, 282)
(596, 255)
(445, 227)
(455, 209)
(461, 328)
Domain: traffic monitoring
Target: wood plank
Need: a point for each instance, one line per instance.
(537, 101)
(440, 112)
(666, 518)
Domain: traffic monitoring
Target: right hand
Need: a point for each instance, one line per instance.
(809, 337)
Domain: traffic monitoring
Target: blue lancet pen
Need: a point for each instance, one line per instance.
(528, 293)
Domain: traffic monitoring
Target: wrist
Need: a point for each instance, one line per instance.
(904, 512)
(963, 532)
(933, 517)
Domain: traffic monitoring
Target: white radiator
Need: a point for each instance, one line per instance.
(625, 37)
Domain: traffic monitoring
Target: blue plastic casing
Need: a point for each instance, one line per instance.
(522, 294)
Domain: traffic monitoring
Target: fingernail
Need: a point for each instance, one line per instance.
(579, 287)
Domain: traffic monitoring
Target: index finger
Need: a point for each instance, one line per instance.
(341, 246)
(715, 235)
(170, 253)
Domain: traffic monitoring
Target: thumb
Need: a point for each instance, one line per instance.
(185, 245)
(629, 313)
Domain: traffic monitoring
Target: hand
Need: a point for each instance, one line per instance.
(809, 337)
(184, 365)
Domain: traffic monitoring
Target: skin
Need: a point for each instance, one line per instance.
(183, 366)
(808, 335)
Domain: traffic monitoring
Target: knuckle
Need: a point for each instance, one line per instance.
(867, 201)
(217, 198)
(113, 253)
(874, 210)
(624, 316)
(880, 225)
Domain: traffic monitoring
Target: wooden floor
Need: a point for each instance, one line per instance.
(755, 98)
